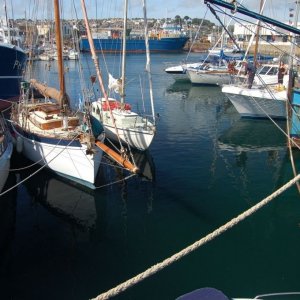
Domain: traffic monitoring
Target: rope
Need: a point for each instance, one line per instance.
(159, 266)
(111, 183)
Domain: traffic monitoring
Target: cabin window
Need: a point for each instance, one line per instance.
(264, 70)
(273, 71)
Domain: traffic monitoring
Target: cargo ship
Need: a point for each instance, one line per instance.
(169, 38)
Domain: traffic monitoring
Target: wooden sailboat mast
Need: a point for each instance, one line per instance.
(115, 156)
(257, 33)
(58, 39)
(124, 51)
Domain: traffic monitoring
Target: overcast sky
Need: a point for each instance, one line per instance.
(278, 9)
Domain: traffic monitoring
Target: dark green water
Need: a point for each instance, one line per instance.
(205, 167)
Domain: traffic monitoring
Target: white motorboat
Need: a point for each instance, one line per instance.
(257, 102)
(179, 72)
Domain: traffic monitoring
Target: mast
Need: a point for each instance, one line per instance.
(257, 34)
(58, 39)
(96, 63)
(148, 69)
(7, 22)
(124, 51)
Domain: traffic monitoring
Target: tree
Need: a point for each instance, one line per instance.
(178, 20)
(187, 20)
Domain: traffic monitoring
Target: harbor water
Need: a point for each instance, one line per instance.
(205, 166)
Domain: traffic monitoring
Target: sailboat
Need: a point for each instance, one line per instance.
(6, 148)
(120, 123)
(50, 134)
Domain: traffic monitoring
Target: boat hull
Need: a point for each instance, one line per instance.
(132, 129)
(5, 156)
(65, 157)
(137, 139)
(110, 45)
(13, 61)
(179, 72)
(208, 78)
(256, 103)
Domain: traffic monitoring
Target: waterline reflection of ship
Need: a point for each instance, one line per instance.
(64, 200)
(143, 161)
(251, 135)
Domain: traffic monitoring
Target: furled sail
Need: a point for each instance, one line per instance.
(50, 92)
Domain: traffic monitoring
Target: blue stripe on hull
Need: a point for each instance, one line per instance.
(135, 45)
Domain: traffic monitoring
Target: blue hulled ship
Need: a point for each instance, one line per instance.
(13, 61)
(169, 38)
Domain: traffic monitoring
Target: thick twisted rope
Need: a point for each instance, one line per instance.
(154, 269)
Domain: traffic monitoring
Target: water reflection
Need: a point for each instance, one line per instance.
(64, 200)
(7, 225)
(253, 135)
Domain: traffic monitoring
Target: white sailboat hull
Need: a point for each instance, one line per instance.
(138, 139)
(68, 159)
(208, 77)
(132, 129)
(180, 72)
(256, 103)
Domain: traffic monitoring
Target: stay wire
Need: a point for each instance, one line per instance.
(41, 168)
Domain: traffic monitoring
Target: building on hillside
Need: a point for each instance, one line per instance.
(244, 32)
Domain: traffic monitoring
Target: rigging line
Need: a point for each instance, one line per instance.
(38, 170)
(225, 28)
(222, 229)
(98, 70)
(110, 163)
(267, 26)
(290, 146)
(284, 133)
(274, 99)
(36, 163)
(197, 33)
(111, 183)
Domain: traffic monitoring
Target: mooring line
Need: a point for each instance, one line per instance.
(159, 266)
(38, 170)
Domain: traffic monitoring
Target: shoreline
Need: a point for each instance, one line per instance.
(273, 49)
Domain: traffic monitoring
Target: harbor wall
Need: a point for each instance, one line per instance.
(273, 49)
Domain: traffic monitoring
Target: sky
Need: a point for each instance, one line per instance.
(278, 9)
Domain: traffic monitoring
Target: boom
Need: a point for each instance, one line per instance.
(252, 14)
